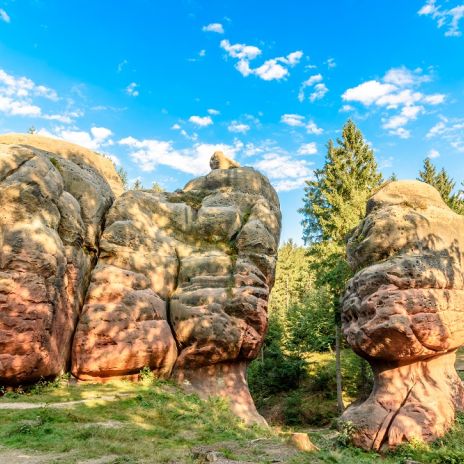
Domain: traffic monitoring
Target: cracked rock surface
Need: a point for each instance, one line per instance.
(105, 283)
(52, 211)
(404, 312)
(182, 284)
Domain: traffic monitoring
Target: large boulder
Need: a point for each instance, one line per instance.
(403, 311)
(53, 209)
(182, 284)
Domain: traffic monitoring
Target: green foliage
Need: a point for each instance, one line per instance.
(335, 200)
(310, 323)
(137, 185)
(32, 130)
(122, 173)
(274, 371)
(157, 187)
(444, 184)
(294, 279)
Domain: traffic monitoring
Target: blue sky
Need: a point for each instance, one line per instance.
(161, 85)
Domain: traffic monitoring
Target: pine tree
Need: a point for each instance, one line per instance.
(336, 200)
(444, 184)
(334, 203)
(137, 185)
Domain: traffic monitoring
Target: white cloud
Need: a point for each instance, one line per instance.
(319, 91)
(240, 51)
(308, 149)
(95, 139)
(312, 128)
(19, 96)
(346, 109)
(319, 88)
(4, 16)
(396, 90)
(131, 89)
(121, 65)
(295, 120)
(331, 63)
(201, 121)
(238, 127)
(289, 173)
(450, 130)
(272, 69)
(175, 126)
(368, 92)
(433, 153)
(448, 17)
(214, 27)
(213, 112)
(149, 153)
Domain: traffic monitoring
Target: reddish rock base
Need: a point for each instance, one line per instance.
(413, 401)
(227, 380)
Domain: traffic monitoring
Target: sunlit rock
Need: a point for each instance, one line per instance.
(182, 284)
(403, 311)
(53, 197)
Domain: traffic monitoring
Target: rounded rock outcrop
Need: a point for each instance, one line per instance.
(403, 311)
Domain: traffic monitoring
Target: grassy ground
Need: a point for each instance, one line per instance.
(151, 422)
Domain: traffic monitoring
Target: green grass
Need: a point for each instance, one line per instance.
(156, 422)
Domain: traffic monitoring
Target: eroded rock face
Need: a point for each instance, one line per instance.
(404, 312)
(182, 284)
(52, 211)
(107, 285)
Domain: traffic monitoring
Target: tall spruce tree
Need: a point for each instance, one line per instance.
(335, 200)
(334, 203)
(444, 184)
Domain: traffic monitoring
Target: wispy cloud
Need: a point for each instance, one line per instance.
(201, 121)
(238, 127)
(319, 89)
(397, 90)
(444, 17)
(214, 27)
(149, 153)
(451, 130)
(4, 16)
(131, 89)
(272, 69)
(297, 120)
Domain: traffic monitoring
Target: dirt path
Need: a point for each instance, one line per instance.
(32, 457)
(63, 404)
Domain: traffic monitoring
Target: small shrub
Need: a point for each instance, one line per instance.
(347, 430)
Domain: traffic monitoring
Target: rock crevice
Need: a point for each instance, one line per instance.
(110, 283)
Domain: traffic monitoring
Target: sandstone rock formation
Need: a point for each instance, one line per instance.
(52, 212)
(404, 312)
(220, 161)
(182, 283)
(106, 284)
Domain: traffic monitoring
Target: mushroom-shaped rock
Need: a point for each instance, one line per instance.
(182, 284)
(54, 198)
(403, 311)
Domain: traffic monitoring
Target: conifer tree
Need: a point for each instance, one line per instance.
(334, 203)
(444, 184)
(335, 200)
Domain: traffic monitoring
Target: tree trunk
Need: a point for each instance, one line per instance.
(338, 367)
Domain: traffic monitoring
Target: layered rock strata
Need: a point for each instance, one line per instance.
(403, 311)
